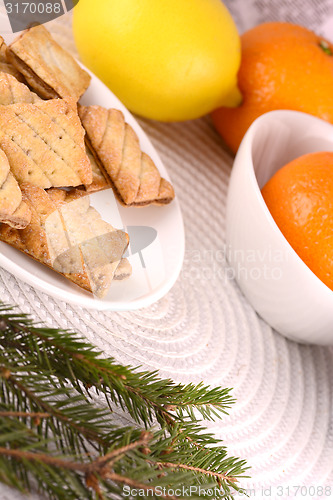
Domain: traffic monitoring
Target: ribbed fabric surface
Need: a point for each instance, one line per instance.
(204, 329)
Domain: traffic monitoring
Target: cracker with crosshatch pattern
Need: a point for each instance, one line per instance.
(44, 143)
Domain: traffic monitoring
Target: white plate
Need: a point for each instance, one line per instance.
(157, 242)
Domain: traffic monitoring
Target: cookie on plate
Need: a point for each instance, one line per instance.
(99, 180)
(13, 211)
(69, 236)
(12, 91)
(44, 143)
(6, 66)
(48, 68)
(116, 148)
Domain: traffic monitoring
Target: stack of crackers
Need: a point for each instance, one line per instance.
(53, 153)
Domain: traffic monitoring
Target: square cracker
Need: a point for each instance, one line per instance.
(49, 69)
(44, 143)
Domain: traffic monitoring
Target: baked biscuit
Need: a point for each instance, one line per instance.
(69, 236)
(12, 91)
(13, 211)
(99, 180)
(116, 148)
(6, 66)
(49, 69)
(44, 143)
(123, 271)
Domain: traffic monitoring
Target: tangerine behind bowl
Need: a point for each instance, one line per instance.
(278, 284)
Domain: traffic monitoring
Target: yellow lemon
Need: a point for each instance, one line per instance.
(169, 60)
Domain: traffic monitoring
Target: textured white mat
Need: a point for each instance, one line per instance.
(205, 330)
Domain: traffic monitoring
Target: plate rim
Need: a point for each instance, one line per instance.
(90, 302)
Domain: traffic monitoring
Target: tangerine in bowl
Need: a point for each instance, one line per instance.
(284, 272)
(299, 196)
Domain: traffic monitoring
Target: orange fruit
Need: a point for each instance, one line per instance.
(283, 66)
(300, 199)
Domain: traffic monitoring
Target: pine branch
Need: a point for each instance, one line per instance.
(24, 414)
(221, 477)
(143, 394)
(56, 440)
(138, 486)
(94, 467)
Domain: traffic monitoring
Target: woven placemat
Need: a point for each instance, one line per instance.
(204, 329)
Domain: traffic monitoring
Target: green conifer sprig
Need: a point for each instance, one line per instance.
(55, 438)
(143, 394)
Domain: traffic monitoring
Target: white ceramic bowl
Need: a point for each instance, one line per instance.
(280, 287)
